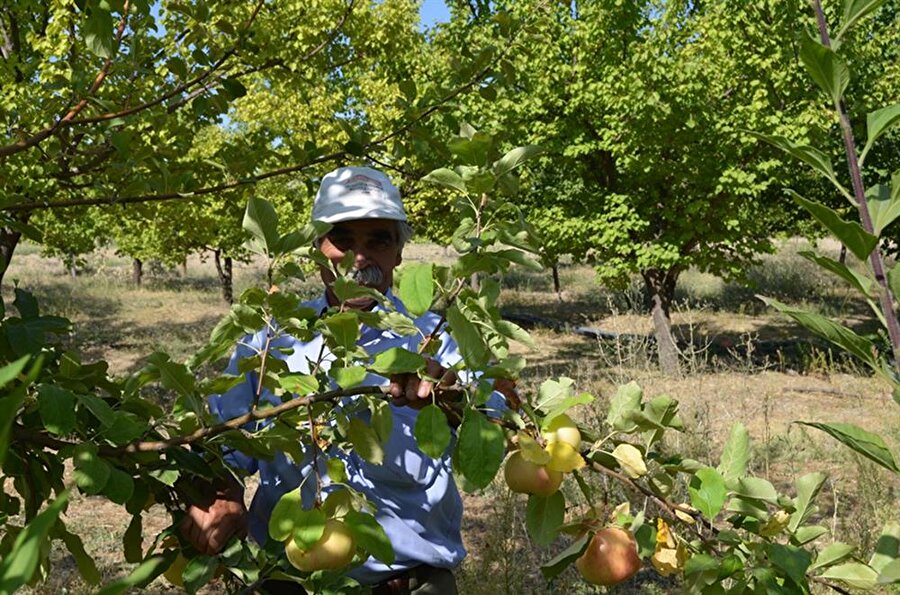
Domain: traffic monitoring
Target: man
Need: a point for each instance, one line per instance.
(416, 498)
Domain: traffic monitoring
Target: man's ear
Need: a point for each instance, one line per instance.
(399, 258)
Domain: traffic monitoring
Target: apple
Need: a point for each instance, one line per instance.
(525, 477)
(610, 557)
(335, 549)
(562, 428)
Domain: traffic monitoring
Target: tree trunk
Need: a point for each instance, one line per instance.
(226, 277)
(660, 286)
(556, 287)
(184, 268)
(843, 257)
(475, 282)
(137, 272)
(9, 239)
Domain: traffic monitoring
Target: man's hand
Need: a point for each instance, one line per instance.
(412, 391)
(209, 525)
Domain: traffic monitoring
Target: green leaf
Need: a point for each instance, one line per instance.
(623, 405)
(809, 155)
(854, 574)
(565, 558)
(736, 454)
(365, 441)
(515, 158)
(91, 472)
(854, 10)
(887, 548)
(833, 554)
(309, 527)
(397, 360)
(18, 566)
(878, 123)
(553, 392)
(808, 488)
(862, 441)
(143, 574)
(838, 334)
(9, 406)
(792, 560)
(199, 571)
(86, 565)
(11, 371)
(808, 533)
(119, 486)
(883, 208)
(825, 67)
(756, 488)
(348, 377)
(708, 492)
(890, 574)
(173, 376)
(432, 431)
(448, 178)
(98, 32)
(300, 384)
(261, 221)
(132, 540)
(370, 536)
(850, 233)
(416, 289)
(858, 281)
(343, 328)
(285, 515)
(480, 447)
(544, 516)
(471, 344)
(233, 87)
(57, 409)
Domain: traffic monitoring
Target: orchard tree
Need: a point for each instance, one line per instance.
(640, 107)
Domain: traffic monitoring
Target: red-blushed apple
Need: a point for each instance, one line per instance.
(525, 477)
(335, 549)
(610, 558)
(562, 428)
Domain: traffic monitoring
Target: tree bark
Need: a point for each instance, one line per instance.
(9, 239)
(184, 267)
(556, 286)
(660, 287)
(137, 272)
(226, 277)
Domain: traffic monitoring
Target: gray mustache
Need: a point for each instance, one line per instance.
(368, 276)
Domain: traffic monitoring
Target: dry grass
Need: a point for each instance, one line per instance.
(727, 380)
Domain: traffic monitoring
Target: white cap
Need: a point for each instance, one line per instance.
(350, 193)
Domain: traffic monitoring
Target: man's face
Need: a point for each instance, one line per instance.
(376, 250)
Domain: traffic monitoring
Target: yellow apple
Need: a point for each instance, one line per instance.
(610, 557)
(562, 428)
(526, 477)
(335, 549)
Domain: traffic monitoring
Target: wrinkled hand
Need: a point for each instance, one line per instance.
(412, 391)
(209, 525)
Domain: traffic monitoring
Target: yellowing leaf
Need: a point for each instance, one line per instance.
(631, 460)
(776, 524)
(664, 537)
(563, 457)
(623, 509)
(532, 451)
(669, 561)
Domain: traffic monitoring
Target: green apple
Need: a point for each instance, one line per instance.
(335, 549)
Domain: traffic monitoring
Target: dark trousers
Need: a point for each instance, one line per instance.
(421, 580)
